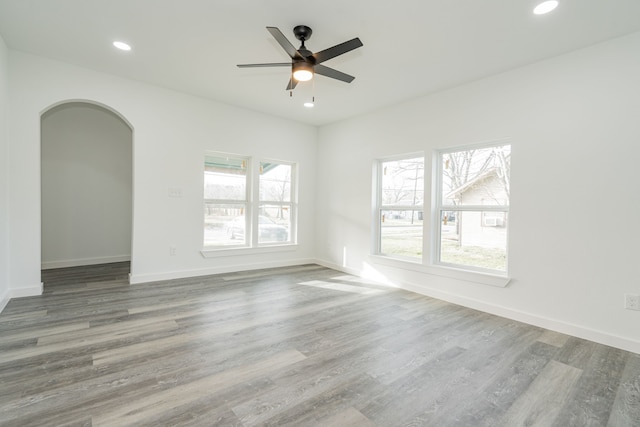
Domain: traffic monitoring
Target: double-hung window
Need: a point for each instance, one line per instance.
(247, 203)
(226, 200)
(472, 207)
(399, 207)
(277, 210)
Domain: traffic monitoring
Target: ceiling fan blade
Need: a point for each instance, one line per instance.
(336, 50)
(284, 42)
(273, 64)
(292, 84)
(334, 74)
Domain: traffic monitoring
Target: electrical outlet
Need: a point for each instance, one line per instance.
(632, 302)
(172, 250)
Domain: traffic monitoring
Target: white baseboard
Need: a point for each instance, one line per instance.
(520, 316)
(4, 300)
(29, 291)
(337, 267)
(529, 318)
(47, 265)
(183, 274)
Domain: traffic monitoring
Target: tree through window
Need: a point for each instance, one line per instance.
(276, 205)
(399, 209)
(473, 206)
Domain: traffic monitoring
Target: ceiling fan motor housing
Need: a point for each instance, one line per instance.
(302, 32)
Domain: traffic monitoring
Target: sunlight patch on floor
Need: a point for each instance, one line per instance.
(342, 287)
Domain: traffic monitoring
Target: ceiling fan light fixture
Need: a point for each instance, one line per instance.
(302, 71)
(545, 7)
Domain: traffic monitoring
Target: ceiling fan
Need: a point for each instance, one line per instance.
(304, 63)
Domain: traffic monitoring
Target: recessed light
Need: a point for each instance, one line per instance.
(309, 104)
(122, 45)
(545, 7)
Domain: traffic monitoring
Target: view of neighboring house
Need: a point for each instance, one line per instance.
(478, 228)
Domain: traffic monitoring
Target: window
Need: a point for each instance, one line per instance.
(472, 208)
(230, 213)
(399, 207)
(276, 206)
(226, 200)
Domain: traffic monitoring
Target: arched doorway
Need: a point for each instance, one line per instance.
(86, 186)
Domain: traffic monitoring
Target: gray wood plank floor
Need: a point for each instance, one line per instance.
(298, 346)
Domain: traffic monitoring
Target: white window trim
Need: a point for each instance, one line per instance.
(438, 207)
(246, 202)
(252, 205)
(293, 215)
(426, 265)
(376, 243)
(211, 252)
(482, 278)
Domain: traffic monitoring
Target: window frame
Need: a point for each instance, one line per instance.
(252, 204)
(379, 207)
(292, 203)
(438, 208)
(246, 202)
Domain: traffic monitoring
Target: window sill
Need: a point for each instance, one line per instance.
(223, 252)
(449, 272)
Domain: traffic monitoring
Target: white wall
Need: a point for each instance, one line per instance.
(86, 158)
(573, 122)
(171, 133)
(4, 178)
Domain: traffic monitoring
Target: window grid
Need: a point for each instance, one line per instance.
(399, 207)
(227, 195)
(248, 204)
(471, 220)
(276, 209)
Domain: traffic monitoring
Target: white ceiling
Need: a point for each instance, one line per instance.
(411, 47)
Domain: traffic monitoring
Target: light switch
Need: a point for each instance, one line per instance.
(175, 192)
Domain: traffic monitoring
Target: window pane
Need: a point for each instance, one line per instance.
(403, 182)
(224, 224)
(476, 177)
(401, 233)
(476, 239)
(225, 178)
(275, 182)
(274, 224)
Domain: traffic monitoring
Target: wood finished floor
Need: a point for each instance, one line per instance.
(299, 346)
